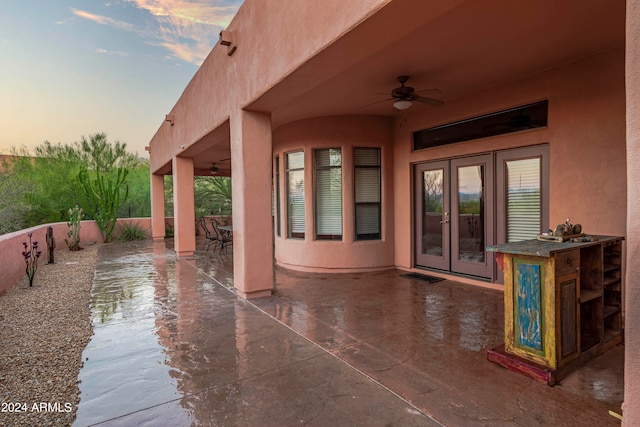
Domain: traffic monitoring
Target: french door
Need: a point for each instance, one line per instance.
(454, 215)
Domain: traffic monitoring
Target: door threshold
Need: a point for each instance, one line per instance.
(462, 278)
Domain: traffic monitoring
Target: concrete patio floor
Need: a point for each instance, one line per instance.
(173, 345)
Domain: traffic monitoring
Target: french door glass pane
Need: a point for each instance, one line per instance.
(471, 213)
(524, 207)
(433, 190)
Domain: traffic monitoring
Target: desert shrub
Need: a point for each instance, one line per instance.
(31, 253)
(131, 231)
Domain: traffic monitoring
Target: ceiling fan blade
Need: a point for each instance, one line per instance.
(429, 92)
(429, 101)
(377, 102)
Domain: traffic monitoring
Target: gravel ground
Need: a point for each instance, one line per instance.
(43, 331)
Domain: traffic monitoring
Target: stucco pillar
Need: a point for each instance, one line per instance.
(157, 207)
(183, 207)
(632, 295)
(251, 153)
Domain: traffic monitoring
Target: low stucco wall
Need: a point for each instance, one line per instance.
(13, 265)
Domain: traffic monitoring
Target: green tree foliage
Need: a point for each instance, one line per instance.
(168, 195)
(138, 205)
(13, 206)
(212, 195)
(102, 193)
(102, 185)
(40, 189)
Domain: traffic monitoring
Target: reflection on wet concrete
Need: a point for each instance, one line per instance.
(173, 345)
(427, 343)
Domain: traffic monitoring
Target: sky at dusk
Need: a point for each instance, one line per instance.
(72, 68)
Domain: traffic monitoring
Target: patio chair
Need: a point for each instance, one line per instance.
(209, 237)
(223, 237)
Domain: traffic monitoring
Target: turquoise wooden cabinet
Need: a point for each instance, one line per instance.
(563, 304)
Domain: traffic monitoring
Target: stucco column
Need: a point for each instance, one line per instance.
(632, 291)
(157, 207)
(183, 207)
(251, 154)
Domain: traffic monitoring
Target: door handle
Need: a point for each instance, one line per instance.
(446, 218)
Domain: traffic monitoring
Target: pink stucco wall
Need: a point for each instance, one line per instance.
(632, 295)
(13, 266)
(347, 254)
(270, 45)
(586, 137)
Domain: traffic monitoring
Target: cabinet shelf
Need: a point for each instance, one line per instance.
(610, 333)
(589, 294)
(611, 267)
(608, 281)
(608, 310)
(588, 341)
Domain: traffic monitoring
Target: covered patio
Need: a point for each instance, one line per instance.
(174, 344)
(330, 170)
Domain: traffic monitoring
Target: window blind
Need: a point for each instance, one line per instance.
(295, 195)
(277, 201)
(367, 178)
(328, 193)
(524, 199)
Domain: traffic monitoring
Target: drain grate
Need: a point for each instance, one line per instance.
(430, 279)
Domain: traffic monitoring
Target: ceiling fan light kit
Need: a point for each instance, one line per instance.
(402, 104)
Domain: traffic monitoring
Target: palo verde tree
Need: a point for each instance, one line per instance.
(102, 180)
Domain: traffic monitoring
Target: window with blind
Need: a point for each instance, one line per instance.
(295, 195)
(367, 178)
(524, 199)
(277, 196)
(328, 193)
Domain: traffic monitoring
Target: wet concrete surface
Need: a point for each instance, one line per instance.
(173, 345)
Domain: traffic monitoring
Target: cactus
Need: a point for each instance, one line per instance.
(75, 216)
(104, 193)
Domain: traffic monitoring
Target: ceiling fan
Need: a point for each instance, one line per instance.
(214, 169)
(404, 96)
